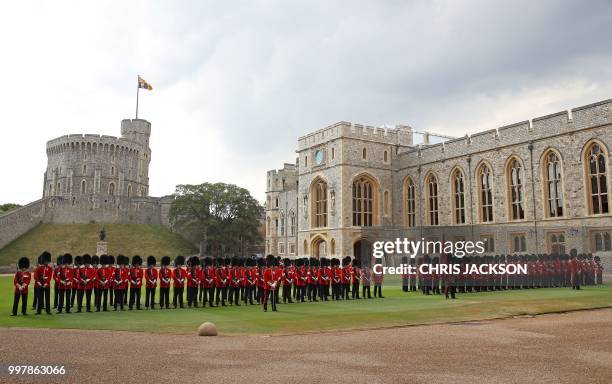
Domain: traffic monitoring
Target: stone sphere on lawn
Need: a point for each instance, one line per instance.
(207, 329)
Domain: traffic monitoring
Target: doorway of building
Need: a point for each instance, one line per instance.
(362, 250)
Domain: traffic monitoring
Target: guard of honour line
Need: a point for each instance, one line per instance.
(92, 282)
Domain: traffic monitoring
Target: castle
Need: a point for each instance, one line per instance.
(93, 178)
(538, 186)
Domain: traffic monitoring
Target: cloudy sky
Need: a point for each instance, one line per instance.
(236, 82)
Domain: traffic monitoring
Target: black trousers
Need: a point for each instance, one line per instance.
(312, 292)
(221, 294)
(111, 295)
(234, 295)
(177, 297)
(87, 294)
(24, 302)
(73, 296)
(192, 296)
(209, 295)
(164, 297)
(247, 296)
(44, 299)
(287, 294)
(134, 297)
(272, 297)
(355, 291)
(35, 299)
(336, 291)
(378, 291)
(322, 292)
(150, 298)
(64, 297)
(347, 287)
(101, 299)
(55, 295)
(119, 294)
(366, 289)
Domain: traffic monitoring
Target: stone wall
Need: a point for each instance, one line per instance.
(20, 220)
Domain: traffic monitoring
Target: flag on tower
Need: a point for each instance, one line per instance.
(143, 84)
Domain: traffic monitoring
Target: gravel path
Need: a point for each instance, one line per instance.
(561, 348)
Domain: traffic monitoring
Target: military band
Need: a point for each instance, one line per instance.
(271, 280)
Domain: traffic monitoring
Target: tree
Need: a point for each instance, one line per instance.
(8, 206)
(217, 216)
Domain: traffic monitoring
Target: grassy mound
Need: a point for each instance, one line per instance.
(127, 239)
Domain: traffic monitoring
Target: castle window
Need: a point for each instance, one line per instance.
(333, 153)
(305, 247)
(282, 226)
(84, 169)
(276, 226)
(488, 243)
(83, 187)
(432, 199)
(292, 222)
(459, 196)
(268, 227)
(129, 190)
(386, 203)
(319, 193)
(596, 161)
(306, 160)
(292, 249)
(519, 242)
(332, 246)
(516, 189)
(112, 171)
(556, 243)
(363, 202)
(276, 202)
(50, 190)
(385, 156)
(111, 189)
(364, 154)
(486, 193)
(553, 188)
(410, 194)
(601, 241)
(58, 191)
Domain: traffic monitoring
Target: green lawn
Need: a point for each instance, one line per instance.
(127, 239)
(396, 309)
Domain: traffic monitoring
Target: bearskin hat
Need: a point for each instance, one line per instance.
(67, 258)
(261, 262)
(208, 261)
(103, 259)
(270, 259)
(286, 261)
(78, 260)
(24, 262)
(179, 260)
(86, 259)
(151, 260)
(58, 261)
(195, 261)
(165, 261)
(110, 259)
(95, 260)
(219, 262)
(346, 260)
(136, 260)
(45, 257)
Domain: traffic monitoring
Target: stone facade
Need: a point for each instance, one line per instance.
(343, 158)
(93, 178)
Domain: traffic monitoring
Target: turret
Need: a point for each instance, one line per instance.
(136, 130)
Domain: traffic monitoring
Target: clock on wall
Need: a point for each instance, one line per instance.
(319, 156)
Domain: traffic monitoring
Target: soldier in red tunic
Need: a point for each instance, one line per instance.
(193, 280)
(234, 280)
(165, 276)
(178, 282)
(120, 278)
(65, 284)
(208, 281)
(136, 275)
(270, 283)
(150, 275)
(221, 280)
(598, 271)
(248, 283)
(42, 281)
(56, 270)
(312, 279)
(21, 281)
(366, 279)
(103, 284)
(378, 281)
(259, 281)
(347, 272)
(86, 283)
(355, 279)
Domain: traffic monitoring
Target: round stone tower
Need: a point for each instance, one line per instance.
(105, 166)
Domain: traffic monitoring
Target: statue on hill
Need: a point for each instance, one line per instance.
(102, 234)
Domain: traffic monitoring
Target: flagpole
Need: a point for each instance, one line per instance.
(137, 93)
